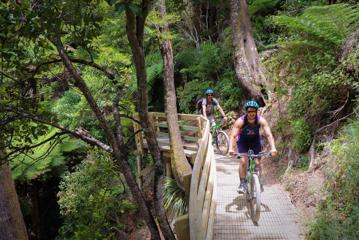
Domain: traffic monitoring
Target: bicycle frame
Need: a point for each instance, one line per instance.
(253, 190)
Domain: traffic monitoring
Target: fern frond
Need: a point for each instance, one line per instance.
(330, 23)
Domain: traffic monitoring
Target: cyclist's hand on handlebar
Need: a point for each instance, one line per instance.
(231, 153)
(273, 152)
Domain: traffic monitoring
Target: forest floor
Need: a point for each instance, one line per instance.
(304, 187)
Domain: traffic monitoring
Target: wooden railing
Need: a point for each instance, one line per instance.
(195, 132)
(202, 204)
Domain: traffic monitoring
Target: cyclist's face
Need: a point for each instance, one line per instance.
(251, 112)
(209, 96)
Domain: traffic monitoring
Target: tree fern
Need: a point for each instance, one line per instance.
(262, 6)
(44, 158)
(330, 23)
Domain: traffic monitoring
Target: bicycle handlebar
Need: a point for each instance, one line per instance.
(252, 155)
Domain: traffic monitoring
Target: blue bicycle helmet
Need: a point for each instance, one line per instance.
(251, 104)
(209, 91)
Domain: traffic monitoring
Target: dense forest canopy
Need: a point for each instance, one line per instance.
(73, 73)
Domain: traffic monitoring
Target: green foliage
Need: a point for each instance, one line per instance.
(155, 67)
(262, 7)
(202, 63)
(207, 67)
(303, 163)
(190, 93)
(338, 215)
(302, 135)
(307, 67)
(47, 157)
(92, 199)
(319, 94)
(174, 198)
(330, 24)
(228, 91)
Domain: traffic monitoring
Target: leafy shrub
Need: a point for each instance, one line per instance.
(228, 91)
(190, 93)
(92, 199)
(174, 198)
(303, 163)
(338, 215)
(208, 66)
(306, 64)
(302, 135)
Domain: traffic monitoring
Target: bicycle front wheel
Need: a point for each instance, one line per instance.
(255, 198)
(222, 142)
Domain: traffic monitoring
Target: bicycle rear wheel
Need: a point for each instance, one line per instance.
(254, 198)
(222, 142)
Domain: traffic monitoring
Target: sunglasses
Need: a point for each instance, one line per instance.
(251, 111)
(209, 95)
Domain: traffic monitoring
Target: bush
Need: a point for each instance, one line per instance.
(302, 135)
(92, 199)
(338, 215)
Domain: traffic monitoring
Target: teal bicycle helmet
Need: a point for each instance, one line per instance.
(209, 91)
(251, 104)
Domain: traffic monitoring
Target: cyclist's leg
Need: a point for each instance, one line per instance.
(257, 148)
(243, 149)
(211, 120)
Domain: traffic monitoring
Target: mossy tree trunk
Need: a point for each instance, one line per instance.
(135, 33)
(246, 59)
(179, 164)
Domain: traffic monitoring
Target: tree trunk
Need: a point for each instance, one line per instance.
(246, 58)
(12, 226)
(118, 149)
(134, 30)
(179, 164)
(192, 21)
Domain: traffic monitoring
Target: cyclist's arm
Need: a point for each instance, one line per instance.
(204, 108)
(221, 111)
(269, 135)
(220, 108)
(238, 124)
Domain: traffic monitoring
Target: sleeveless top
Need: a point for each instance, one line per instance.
(249, 133)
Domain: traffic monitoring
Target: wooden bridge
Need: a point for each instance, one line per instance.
(232, 220)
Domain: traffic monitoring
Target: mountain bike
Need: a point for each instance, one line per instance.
(220, 137)
(253, 189)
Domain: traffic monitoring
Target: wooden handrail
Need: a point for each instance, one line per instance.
(202, 204)
(202, 195)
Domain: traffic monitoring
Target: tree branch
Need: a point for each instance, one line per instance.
(80, 83)
(330, 124)
(27, 148)
(8, 120)
(107, 72)
(79, 133)
(8, 76)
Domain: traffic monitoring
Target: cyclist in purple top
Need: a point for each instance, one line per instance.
(246, 131)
